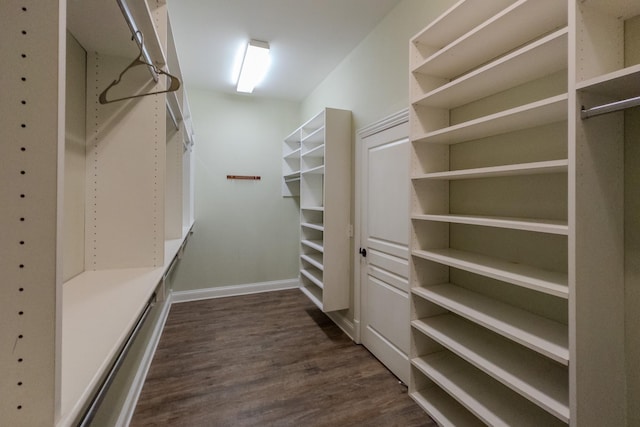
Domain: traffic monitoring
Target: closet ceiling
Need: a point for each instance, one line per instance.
(308, 39)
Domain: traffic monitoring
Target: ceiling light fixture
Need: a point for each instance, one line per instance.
(254, 66)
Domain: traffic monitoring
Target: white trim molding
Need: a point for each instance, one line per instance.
(344, 323)
(388, 122)
(234, 290)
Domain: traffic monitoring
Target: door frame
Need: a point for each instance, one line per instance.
(388, 122)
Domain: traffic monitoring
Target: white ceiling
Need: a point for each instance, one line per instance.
(308, 39)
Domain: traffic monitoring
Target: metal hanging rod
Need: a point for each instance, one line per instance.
(609, 108)
(136, 34)
(90, 413)
(172, 115)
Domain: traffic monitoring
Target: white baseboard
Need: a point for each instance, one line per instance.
(234, 290)
(126, 413)
(343, 323)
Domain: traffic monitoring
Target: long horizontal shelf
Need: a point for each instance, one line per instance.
(313, 226)
(318, 170)
(523, 21)
(549, 282)
(443, 409)
(314, 294)
(533, 376)
(458, 19)
(527, 116)
(545, 336)
(535, 225)
(619, 84)
(314, 259)
(533, 168)
(538, 59)
(314, 276)
(313, 244)
(317, 151)
(486, 398)
(105, 304)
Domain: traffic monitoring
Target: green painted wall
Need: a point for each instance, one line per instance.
(245, 231)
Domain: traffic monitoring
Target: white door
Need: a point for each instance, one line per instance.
(384, 235)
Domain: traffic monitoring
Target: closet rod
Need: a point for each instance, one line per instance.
(172, 116)
(139, 41)
(610, 108)
(100, 394)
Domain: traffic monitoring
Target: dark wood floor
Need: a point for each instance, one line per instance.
(270, 359)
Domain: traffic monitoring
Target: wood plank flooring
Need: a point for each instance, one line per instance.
(270, 359)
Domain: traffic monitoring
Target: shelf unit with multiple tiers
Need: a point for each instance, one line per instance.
(106, 201)
(316, 167)
(522, 281)
(489, 216)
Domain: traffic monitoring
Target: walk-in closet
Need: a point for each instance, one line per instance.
(418, 213)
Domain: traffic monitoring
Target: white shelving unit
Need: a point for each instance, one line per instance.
(525, 235)
(605, 229)
(316, 167)
(91, 262)
(485, 256)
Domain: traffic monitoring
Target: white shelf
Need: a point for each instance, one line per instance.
(489, 400)
(294, 176)
(527, 116)
(317, 151)
(314, 138)
(313, 275)
(458, 19)
(103, 304)
(522, 21)
(545, 336)
(443, 409)
(535, 225)
(533, 168)
(314, 259)
(313, 124)
(313, 208)
(619, 84)
(324, 205)
(295, 154)
(313, 244)
(533, 376)
(318, 170)
(538, 59)
(549, 282)
(319, 227)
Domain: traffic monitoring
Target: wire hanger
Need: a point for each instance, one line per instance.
(173, 86)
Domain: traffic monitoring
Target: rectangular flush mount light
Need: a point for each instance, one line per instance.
(254, 66)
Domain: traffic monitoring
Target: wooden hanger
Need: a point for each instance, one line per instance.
(173, 86)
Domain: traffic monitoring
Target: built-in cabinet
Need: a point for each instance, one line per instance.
(102, 202)
(317, 168)
(517, 248)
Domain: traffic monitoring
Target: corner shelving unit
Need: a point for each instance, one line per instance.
(489, 265)
(97, 257)
(525, 234)
(316, 167)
